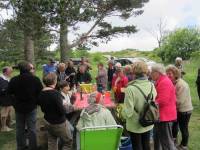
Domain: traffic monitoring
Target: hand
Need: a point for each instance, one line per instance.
(114, 88)
(66, 77)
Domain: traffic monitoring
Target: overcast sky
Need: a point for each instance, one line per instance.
(175, 14)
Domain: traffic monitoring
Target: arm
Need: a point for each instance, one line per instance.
(59, 104)
(125, 82)
(10, 89)
(80, 123)
(129, 104)
(163, 94)
(89, 78)
(109, 118)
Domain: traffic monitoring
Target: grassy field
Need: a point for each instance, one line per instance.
(7, 140)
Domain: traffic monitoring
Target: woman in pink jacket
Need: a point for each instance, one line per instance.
(166, 99)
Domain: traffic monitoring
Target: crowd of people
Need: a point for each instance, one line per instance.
(129, 85)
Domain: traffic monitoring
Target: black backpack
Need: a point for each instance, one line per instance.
(150, 113)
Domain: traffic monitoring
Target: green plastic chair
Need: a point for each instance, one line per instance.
(100, 138)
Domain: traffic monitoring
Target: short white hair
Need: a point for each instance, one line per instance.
(118, 65)
(179, 59)
(158, 68)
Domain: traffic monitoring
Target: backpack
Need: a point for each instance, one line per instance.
(150, 113)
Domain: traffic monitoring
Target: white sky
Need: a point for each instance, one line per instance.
(175, 13)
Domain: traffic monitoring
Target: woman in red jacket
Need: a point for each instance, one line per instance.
(119, 82)
(166, 99)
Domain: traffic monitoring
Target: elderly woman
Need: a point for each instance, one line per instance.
(128, 72)
(51, 104)
(101, 78)
(134, 104)
(119, 82)
(179, 65)
(61, 72)
(95, 114)
(166, 99)
(183, 103)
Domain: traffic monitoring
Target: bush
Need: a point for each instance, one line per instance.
(179, 43)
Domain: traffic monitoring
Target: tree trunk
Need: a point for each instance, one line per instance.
(29, 48)
(64, 47)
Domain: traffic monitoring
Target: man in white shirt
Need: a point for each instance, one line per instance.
(5, 99)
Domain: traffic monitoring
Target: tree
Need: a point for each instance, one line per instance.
(67, 15)
(180, 43)
(29, 21)
(159, 32)
(12, 43)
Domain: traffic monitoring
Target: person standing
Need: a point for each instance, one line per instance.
(50, 67)
(110, 72)
(166, 100)
(119, 82)
(83, 76)
(179, 65)
(25, 89)
(198, 83)
(101, 78)
(184, 106)
(134, 105)
(5, 99)
(70, 72)
(61, 75)
(51, 103)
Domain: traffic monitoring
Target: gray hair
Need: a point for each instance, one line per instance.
(92, 98)
(158, 68)
(179, 59)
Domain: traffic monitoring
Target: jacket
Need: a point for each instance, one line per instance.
(134, 103)
(5, 99)
(184, 101)
(102, 78)
(97, 115)
(25, 89)
(166, 99)
(122, 83)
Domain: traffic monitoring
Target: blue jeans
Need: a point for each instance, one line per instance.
(24, 121)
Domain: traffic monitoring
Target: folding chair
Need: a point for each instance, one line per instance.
(100, 138)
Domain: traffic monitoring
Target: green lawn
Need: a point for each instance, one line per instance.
(7, 140)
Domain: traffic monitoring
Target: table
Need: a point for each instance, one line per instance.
(83, 103)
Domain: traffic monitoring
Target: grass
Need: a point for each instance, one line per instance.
(7, 140)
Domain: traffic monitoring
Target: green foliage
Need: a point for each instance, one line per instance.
(69, 15)
(36, 17)
(179, 43)
(134, 53)
(12, 44)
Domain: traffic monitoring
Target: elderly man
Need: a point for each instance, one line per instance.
(5, 99)
(25, 88)
(83, 76)
(166, 99)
